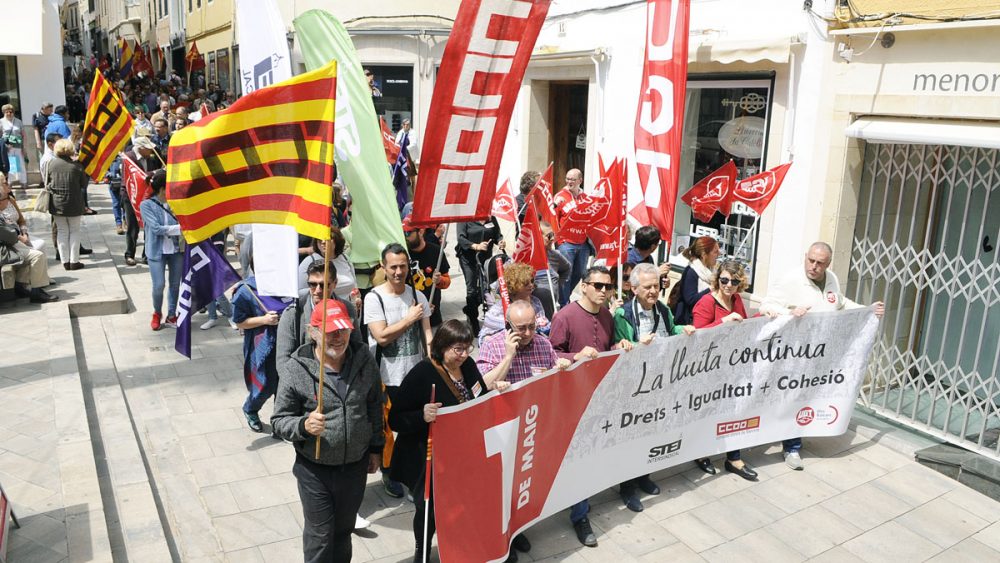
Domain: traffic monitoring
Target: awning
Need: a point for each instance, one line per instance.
(910, 130)
(22, 34)
(749, 50)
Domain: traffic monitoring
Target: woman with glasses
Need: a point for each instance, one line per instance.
(457, 380)
(724, 305)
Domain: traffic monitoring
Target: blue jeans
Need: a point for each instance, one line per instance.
(578, 255)
(116, 205)
(791, 445)
(157, 269)
(579, 511)
(219, 305)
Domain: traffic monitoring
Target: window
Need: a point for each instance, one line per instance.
(8, 84)
(222, 62)
(211, 76)
(190, 6)
(395, 84)
(724, 119)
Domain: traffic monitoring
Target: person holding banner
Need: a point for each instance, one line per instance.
(348, 424)
(812, 288)
(696, 278)
(580, 331)
(143, 153)
(453, 373)
(162, 233)
(724, 305)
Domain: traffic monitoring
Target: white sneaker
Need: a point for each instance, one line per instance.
(793, 460)
(208, 324)
(232, 324)
(360, 523)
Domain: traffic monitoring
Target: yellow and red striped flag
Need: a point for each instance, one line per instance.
(106, 129)
(268, 158)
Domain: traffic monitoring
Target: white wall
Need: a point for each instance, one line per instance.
(41, 76)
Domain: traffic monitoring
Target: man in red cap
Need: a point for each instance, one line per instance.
(348, 425)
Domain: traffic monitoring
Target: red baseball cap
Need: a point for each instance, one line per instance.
(335, 314)
(407, 226)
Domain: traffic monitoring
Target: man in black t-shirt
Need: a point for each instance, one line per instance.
(40, 121)
(423, 259)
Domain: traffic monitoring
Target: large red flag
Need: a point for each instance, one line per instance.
(541, 194)
(481, 72)
(758, 190)
(611, 233)
(504, 204)
(660, 117)
(530, 248)
(713, 193)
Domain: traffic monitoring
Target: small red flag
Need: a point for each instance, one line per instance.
(504, 204)
(610, 233)
(194, 61)
(758, 190)
(530, 248)
(541, 195)
(713, 193)
(389, 142)
(134, 182)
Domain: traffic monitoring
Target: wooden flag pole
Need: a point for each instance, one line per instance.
(427, 480)
(322, 361)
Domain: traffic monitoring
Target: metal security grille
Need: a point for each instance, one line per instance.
(925, 243)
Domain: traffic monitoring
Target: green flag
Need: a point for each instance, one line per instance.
(360, 154)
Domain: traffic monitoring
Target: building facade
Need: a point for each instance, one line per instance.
(210, 25)
(31, 58)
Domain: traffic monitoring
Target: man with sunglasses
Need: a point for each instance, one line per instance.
(580, 331)
(812, 288)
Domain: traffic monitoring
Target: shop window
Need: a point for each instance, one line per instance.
(395, 84)
(8, 84)
(222, 62)
(724, 119)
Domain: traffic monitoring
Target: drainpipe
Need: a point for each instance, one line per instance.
(600, 55)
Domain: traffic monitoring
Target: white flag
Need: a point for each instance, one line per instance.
(264, 61)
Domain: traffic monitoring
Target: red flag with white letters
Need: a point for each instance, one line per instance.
(530, 247)
(660, 116)
(610, 234)
(504, 204)
(389, 143)
(758, 190)
(713, 193)
(481, 72)
(541, 195)
(136, 187)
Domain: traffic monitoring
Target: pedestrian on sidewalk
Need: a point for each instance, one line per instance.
(348, 425)
(260, 348)
(811, 288)
(66, 182)
(13, 137)
(141, 154)
(163, 249)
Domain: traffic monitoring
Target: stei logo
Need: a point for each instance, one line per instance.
(664, 451)
(731, 427)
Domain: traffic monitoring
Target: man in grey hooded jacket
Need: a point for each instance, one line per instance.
(348, 425)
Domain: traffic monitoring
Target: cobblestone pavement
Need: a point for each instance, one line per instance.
(114, 447)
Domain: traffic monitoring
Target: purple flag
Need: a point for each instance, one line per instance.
(207, 275)
(399, 178)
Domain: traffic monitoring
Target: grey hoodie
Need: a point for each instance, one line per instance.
(353, 423)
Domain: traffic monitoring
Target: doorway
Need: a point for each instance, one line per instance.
(567, 129)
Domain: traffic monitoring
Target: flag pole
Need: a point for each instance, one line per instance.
(322, 370)
(437, 268)
(743, 243)
(552, 293)
(427, 480)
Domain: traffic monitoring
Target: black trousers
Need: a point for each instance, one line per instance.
(471, 270)
(132, 229)
(418, 517)
(331, 496)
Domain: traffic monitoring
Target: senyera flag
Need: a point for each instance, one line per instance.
(106, 129)
(504, 204)
(481, 72)
(758, 190)
(713, 193)
(660, 117)
(268, 158)
(530, 248)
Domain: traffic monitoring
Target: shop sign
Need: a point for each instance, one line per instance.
(743, 137)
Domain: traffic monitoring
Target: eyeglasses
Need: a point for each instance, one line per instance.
(599, 286)
(461, 350)
(730, 281)
(530, 327)
(314, 285)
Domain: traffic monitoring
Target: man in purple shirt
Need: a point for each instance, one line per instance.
(518, 353)
(580, 331)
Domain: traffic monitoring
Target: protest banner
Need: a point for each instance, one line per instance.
(505, 461)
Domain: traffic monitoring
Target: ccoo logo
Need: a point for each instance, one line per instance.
(733, 426)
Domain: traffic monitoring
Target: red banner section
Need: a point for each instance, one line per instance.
(481, 72)
(530, 247)
(660, 117)
(610, 235)
(134, 182)
(389, 142)
(541, 194)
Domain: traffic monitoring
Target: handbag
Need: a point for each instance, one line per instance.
(43, 201)
(9, 233)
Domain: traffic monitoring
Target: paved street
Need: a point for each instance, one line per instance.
(124, 450)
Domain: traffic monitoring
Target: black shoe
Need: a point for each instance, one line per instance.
(38, 295)
(647, 485)
(392, 488)
(705, 465)
(86, 251)
(745, 471)
(631, 499)
(253, 421)
(144, 261)
(585, 533)
(521, 543)
(21, 290)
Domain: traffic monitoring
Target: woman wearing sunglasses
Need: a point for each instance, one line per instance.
(723, 304)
